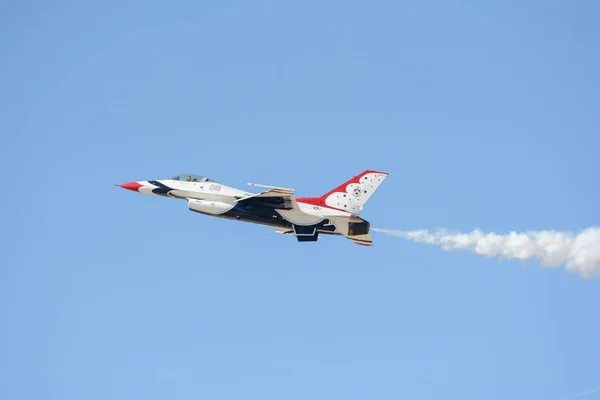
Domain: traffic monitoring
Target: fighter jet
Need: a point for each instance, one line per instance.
(334, 213)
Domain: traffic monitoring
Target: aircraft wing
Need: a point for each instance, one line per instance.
(283, 202)
(276, 198)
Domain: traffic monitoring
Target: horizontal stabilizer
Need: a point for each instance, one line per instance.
(363, 240)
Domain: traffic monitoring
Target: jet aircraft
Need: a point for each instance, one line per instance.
(334, 213)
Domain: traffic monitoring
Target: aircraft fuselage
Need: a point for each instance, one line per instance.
(304, 218)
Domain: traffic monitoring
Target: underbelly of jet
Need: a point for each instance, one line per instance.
(270, 217)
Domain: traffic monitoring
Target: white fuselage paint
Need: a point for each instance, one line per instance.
(196, 190)
(211, 207)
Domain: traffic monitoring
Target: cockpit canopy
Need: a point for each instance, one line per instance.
(190, 178)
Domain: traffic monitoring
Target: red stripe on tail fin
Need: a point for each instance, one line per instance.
(351, 195)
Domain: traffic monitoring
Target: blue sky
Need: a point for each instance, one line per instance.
(485, 114)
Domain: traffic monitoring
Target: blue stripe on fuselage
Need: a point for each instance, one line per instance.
(162, 189)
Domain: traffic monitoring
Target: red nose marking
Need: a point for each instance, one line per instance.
(131, 186)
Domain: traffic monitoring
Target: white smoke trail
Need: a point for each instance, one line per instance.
(583, 394)
(579, 254)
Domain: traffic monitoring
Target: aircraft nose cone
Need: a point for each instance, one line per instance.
(131, 186)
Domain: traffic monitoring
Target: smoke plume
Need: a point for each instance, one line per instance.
(578, 253)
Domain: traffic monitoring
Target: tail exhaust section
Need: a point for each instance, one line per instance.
(358, 232)
(352, 195)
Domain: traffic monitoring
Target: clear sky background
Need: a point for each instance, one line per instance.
(485, 114)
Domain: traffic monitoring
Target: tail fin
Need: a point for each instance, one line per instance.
(352, 195)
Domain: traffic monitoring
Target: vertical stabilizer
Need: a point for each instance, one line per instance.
(352, 195)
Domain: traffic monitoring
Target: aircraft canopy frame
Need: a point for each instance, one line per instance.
(190, 178)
